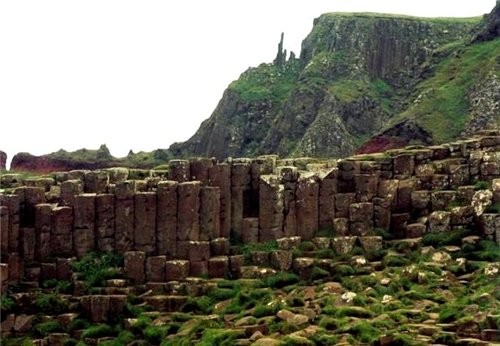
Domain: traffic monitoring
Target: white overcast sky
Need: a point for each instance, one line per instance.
(141, 75)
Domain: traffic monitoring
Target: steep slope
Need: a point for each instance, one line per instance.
(355, 73)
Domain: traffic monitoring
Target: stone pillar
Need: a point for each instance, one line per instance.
(145, 222)
(188, 225)
(4, 233)
(96, 182)
(61, 238)
(30, 197)
(84, 226)
(69, 189)
(135, 266)
(289, 176)
(271, 202)
(166, 218)
(240, 181)
(28, 239)
(405, 188)
(200, 167)
(307, 196)
(361, 218)
(365, 186)
(105, 222)
(342, 203)
(43, 225)
(155, 268)
(179, 170)
(220, 175)
(13, 203)
(209, 213)
(327, 191)
(250, 230)
(124, 216)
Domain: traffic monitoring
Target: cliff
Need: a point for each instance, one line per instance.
(379, 80)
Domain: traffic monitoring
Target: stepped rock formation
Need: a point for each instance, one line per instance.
(392, 79)
(3, 160)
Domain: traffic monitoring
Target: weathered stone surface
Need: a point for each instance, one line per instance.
(179, 170)
(124, 215)
(28, 241)
(288, 243)
(15, 264)
(69, 189)
(343, 245)
(420, 199)
(199, 168)
(342, 203)
(13, 204)
(404, 164)
(30, 197)
(23, 323)
(176, 270)
(481, 200)
(439, 221)
(341, 226)
(240, 184)
(365, 186)
(117, 174)
(327, 190)
(134, 262)
(250, 230)
(188, 225)
(4, 231)
(163, 303)
(271, 203)
(462, 216)
(388, 189)
(489, 225)
(199, 251)
(415, 230)
(155, 268)
(307, 194)
(100, 308)
(166, 218)
(441, 200)
(281, 259)
(61, 239)
(105, 222)
(405, 189)
(209, 213)
(361, 212)
(260, 258)
(96, 181)
(371, 243)
(465, 193)
(63, 268)
(235, 264)
(198, 268)
(220, 175)
(218, 267)
(84, 223)
(290, 210)
(219, 247)
(145, 222)
(4, 277)
(303, 266)
(495, 187)
(399, 222)
(382, 212)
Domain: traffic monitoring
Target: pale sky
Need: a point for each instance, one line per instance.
(141, 75)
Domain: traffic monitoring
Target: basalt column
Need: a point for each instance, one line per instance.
(327, 191)
(145, 222)
(307, 195)
(124, 216)
(209, 213)
(43, 225)
(61, 239)
(84, 237)
(289, 176)
(166, 218)
(188, 211)
(105, 222)
(240, 184)
(271, 200)
(220, 175)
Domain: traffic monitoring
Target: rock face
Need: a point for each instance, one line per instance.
(3, 160)
(492, 27)
(359, 77)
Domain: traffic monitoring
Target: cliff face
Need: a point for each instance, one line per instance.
(360, 78)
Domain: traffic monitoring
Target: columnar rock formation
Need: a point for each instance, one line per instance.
(179, 222)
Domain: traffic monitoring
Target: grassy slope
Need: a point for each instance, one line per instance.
(443, 109)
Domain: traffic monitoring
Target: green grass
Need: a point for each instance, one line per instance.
(443, 109)
(51, 303)
(98, 331)
(96, 267)
(266, 83)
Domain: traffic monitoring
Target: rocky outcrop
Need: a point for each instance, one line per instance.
(3, 160)
(492, 26)
(355, 74)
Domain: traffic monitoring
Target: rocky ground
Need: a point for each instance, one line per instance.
(443, 288)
